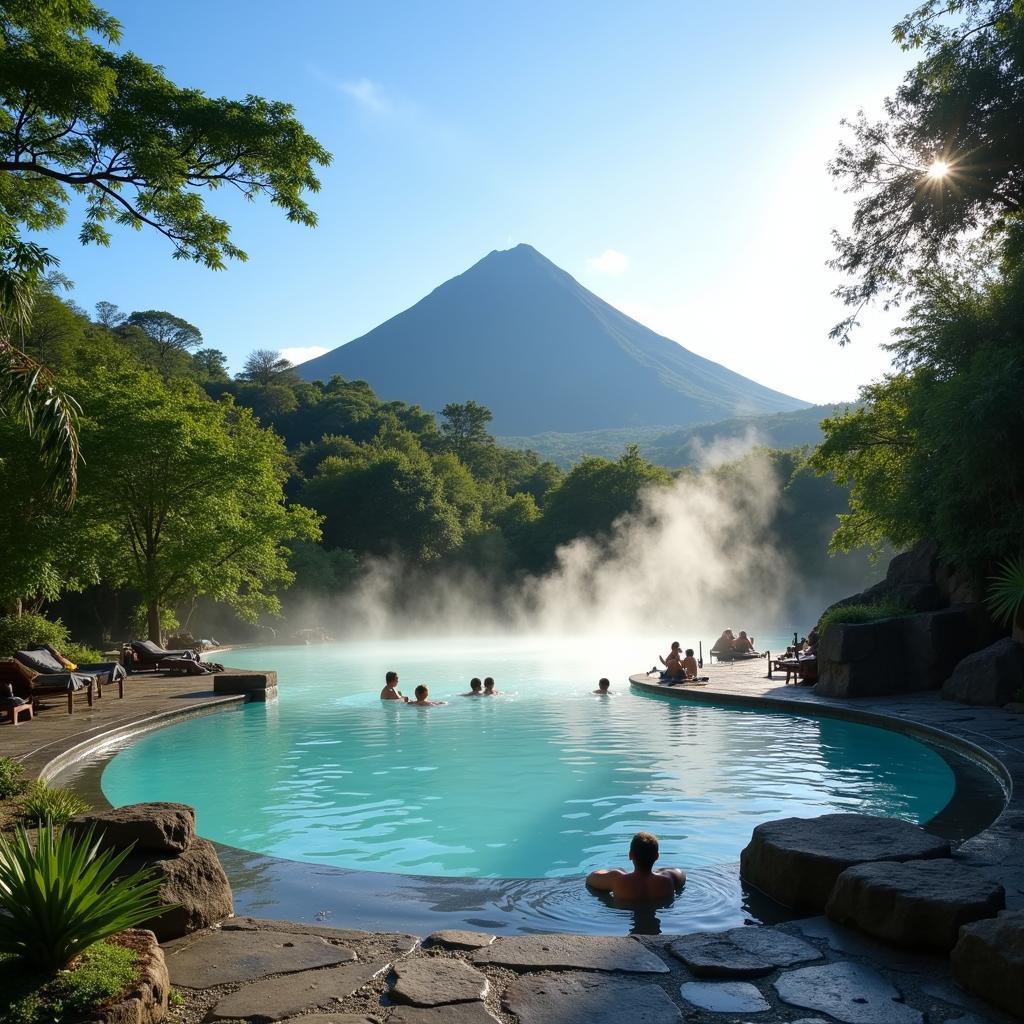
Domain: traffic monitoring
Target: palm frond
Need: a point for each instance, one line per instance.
(31, 397)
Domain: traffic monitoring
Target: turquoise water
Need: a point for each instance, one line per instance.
(545, 780)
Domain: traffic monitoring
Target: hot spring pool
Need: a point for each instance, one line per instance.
(545, 781)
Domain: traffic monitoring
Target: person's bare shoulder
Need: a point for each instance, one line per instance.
(605, 880)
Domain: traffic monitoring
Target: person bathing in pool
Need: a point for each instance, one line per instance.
(423, 699)
(604, 686)
(474, 688)
(489, 690)
(644, 884)
(391, 690)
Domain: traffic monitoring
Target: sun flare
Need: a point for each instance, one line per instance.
(939, 169)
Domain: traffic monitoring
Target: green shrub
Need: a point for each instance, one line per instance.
(1005, 598)
(19, 632)
(60, 896)
(850, 614)
(102, 973)
(80, 654)
(12, 778)
(46, 803)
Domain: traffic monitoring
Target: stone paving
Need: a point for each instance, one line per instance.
(806, 971)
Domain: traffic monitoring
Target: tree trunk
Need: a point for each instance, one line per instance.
(153, 617)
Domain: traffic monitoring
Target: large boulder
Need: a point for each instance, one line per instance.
(861, 659)
(993, 675)
(989, 959)
(148, 828)
(796, 861)
(160, 838)
(919, 903)
(933, 643)
(195, 881)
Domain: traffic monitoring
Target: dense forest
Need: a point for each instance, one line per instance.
(259, 494)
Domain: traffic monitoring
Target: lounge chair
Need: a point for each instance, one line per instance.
(146, 654)
(47, 660)
(32, 686)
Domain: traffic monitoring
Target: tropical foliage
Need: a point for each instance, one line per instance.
(61, 894)
(934, 451)
(12, 778)
(43, 803)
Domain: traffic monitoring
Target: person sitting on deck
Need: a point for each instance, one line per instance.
(474, 688)
(489, 690)
(743, 644)
(391, 691)
(673, 663)
(604, 686)
(689, 664)
(643, 884)
(723, 646)
(422, 699)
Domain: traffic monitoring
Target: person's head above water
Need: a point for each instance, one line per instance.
(390, 677)
(643, 851)
(474, 683)
(421, 692)
(489, 683)
(603, 684)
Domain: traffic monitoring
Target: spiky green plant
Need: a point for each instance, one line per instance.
(1005, 598)
(47, 803)
(61, 896)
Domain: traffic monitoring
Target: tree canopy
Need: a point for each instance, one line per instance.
(946, 163)
(77, 114)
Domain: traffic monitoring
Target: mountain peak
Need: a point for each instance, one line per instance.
(518, 334)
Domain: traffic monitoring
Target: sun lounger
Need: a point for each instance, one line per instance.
(34, 686)
(146, 654)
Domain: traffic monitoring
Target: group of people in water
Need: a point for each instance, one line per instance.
(422, 693)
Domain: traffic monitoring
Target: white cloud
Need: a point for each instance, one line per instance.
(302, 353)
(368, 94)
(609, 262)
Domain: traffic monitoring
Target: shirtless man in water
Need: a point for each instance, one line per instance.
(643, 884)
(423, 699)
(391, 690)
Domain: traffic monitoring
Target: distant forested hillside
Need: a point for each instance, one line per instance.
(676, 448)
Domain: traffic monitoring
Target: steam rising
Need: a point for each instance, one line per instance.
(693, 558)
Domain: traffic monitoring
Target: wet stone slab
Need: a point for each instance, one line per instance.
(220, 957)
(434, 981)
(288, 996)
(457, 938)
(849, 992)
(571, 952)
(582, 998)
(456, 1013)
(747, 952)
(724, 996)
(332, 1018)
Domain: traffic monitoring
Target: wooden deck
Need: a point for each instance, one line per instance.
(53, 737)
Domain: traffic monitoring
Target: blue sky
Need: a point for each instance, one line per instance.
(670, 155)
